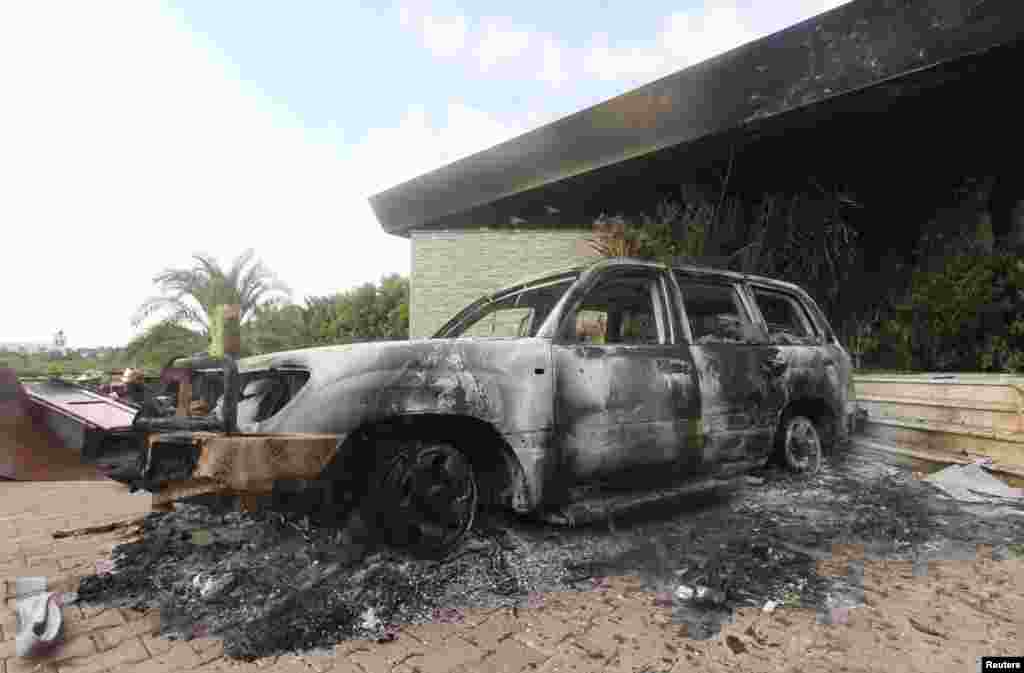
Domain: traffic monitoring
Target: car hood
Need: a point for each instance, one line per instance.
(328, 362)
(355, 383)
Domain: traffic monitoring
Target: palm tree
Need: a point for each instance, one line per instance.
(190, 295)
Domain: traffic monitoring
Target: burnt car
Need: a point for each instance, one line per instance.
(623, 376)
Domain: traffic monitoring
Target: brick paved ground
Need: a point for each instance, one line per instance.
(907, 624)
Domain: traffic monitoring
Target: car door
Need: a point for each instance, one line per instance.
(814, 364)
(736, 375)
(626, 397)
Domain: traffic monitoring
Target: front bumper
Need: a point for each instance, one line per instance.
(185, 464)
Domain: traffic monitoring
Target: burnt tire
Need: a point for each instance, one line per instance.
(422, 497)
(800, 444)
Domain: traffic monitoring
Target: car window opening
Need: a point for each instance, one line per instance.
(715, 313)
(627, 310)
(787, 322)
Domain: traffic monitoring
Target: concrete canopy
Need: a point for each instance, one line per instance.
(894, 46)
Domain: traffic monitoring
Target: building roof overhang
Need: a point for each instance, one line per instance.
(861, 45)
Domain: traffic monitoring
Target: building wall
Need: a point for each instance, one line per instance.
(450, 269)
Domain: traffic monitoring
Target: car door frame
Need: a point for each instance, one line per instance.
(817, 372)
(617, 450)
(722, 447)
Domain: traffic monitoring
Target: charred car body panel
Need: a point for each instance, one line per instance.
(617, 372)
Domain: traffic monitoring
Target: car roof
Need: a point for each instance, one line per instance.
(612, 262)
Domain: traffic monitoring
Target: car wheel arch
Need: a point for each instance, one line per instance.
(825, 418)
(500, 476)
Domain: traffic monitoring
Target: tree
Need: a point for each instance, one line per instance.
(370, 312)
(366, 313)
(191, 295)
(159, 343)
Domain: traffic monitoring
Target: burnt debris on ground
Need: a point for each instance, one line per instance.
(270, 583)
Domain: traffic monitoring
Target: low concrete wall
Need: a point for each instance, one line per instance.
(948, 417)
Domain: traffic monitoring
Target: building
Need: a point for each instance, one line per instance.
(900, 103)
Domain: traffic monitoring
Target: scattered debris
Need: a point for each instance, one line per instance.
(971, 483)
(769, 606)
(40, 620)
(102, 528)
(926, 629)
(211, 587)
(735, 644)
(754, 481)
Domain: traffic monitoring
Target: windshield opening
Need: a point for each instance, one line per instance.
(510, 316)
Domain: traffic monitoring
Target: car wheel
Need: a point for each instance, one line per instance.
(424, 497)
(801, 445)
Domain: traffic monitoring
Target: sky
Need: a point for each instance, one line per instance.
(135, 133)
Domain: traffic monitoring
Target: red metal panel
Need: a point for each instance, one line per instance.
(88, 408)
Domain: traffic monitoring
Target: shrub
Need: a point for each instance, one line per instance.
(968, 315)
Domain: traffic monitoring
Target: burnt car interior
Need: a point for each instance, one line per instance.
(787, 323)
(715, 312)
(624, 310)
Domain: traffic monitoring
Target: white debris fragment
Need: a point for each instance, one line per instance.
(210, 586)
(971, 483)
(369, 619)
(709, 595)
(684, 593)
(40, 621)
(770, 606)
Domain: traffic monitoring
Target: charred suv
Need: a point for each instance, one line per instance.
(621, 377)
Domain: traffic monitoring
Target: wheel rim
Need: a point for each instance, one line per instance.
(803, 447)
(431, 496)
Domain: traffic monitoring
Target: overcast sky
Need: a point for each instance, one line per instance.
(135, 133)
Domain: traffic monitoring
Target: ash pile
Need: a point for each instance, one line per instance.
(270, 583)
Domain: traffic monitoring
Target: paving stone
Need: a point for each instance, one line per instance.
(149, 625)
(497, 628)
(402, 668)
(25, 665)
(179, 657)
(74, 646)
(207, 649)
(131, 615)
(157, 645)
(290, 664)
(511, 656)
(572, 659)
(128, 652)
(370, 662)
(578, 608)
(544, 632)
(649, 653)
(456, 654)
(399, 649)
(8, 624)
(78, 621)
(602, 639)
(433, 634)
(21, 568)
